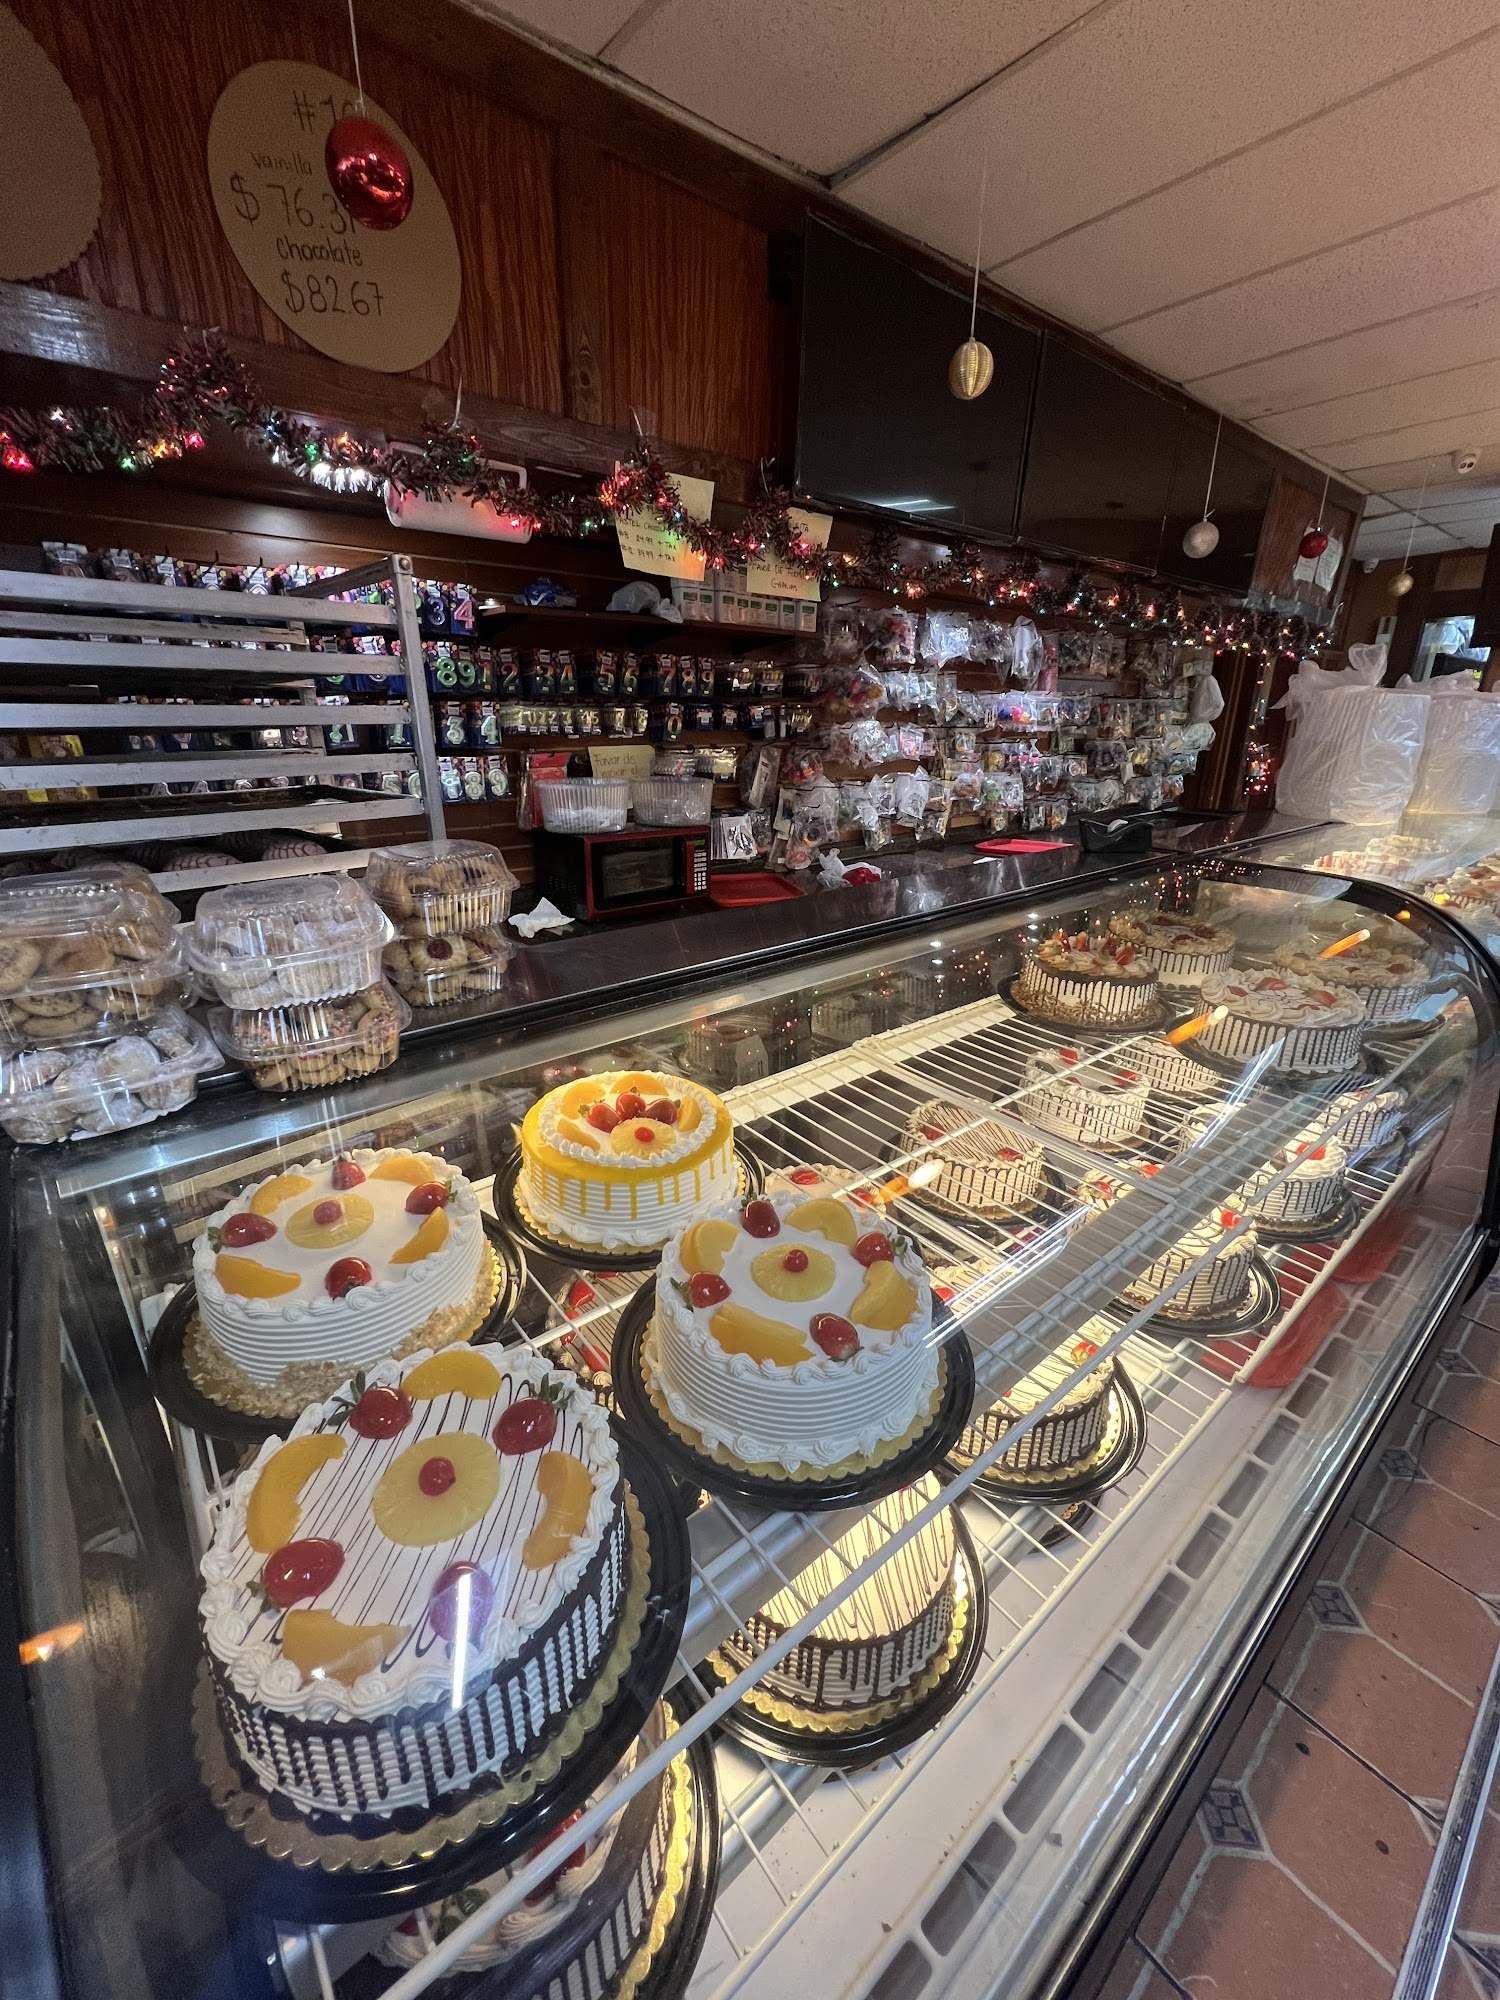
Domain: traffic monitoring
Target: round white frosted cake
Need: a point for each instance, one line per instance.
(1227, 1241)
(880, 1640)
(1099, 1190)
(1169, 1067)
(1184, 952)
(1084, 982)
(1393, 858)
(1390, 982)
(622, 1160)
(1312, 1189)
(1071, 1437)
(1305, 1027)
(971, 1161)
(795, 1333)
(418, 1587)
(1094, 1104)
(1365, 1118)
(331, 1266)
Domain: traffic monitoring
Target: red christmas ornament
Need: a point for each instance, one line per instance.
(1312, 544)
(369, 173)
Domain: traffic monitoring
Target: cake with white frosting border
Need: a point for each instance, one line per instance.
(794, 1367)
(1392, 981)
(1183, 950)
(621, 1160)
(1312, 1190)
(1083, 982)
(1303, 1025)
(970, 1160)
(1091, 1103)
(415, 1590)
(1227, 1241)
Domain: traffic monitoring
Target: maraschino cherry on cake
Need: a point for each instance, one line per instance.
(621, 1160)
(331, 1266)
(413, 1593)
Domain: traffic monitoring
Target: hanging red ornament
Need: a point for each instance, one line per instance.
(369, 173)
(1312, 544)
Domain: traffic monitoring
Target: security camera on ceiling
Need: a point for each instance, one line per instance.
(1465, 461)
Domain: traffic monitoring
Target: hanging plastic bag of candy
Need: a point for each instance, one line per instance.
(911, 793)
(932, 828)
(1026, 659)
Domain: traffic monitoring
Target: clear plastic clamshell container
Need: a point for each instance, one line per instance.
(431, 971)
(583, 805)
(672, 801)
(48, 1094)
(269, 944)
(85, 955)
(441, 888)
(315, 1043)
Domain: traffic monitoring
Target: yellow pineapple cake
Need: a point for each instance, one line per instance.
(420, 1586)
(332, 1266)
(622, 1160)
(794, 1333)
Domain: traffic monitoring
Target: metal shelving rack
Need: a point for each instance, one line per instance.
(65, 641)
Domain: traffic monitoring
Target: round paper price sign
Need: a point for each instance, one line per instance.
(383, 299)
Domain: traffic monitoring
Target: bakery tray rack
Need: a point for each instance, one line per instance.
(1140, 1602)
(78, 654)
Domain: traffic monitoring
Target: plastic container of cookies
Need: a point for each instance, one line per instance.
(433, 971)
(85, 955)
(51, 1094)
(441, 888)
(273, 944)
(312, 1044)
(583, 805)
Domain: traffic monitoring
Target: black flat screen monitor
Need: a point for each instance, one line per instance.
(877, 423)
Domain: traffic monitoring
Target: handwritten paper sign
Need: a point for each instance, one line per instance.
(379, 298)
(774, 579)
(645, 544)
(621, 760)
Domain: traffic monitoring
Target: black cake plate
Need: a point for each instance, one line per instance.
(225, 1846)
(583, 1256)
(179, 1395)
(1259, 1306)
(1068, 1486)
(804, 1496)
(853, 1749)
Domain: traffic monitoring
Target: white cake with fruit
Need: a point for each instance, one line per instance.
(621, 1160)
(412, 1594)
(331, 1266)
(793, 1335)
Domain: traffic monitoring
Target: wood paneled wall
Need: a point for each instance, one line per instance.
(674, 287)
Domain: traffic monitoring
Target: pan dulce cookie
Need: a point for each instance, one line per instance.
(439, 888)
(85, 955)
(331, 1266)
(266, 944)
(793, 1334)
(420, 1585)
(621, 1160)
(429, 971)
(48, 1094)
(319, 1043)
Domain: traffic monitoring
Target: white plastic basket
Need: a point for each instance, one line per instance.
(584, 805)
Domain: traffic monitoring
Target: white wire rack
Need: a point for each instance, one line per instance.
(986, 1832)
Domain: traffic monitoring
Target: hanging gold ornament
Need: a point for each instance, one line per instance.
(1400, 585)
(971, 370)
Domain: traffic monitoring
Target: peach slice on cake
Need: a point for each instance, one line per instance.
(436, 1491)
(429, 1238)
(565, 1485)
(886, 1300)
(329, 1224)
(689, 1115)
(825, 1217)
(280, 1188)
(322, 1647)
(793, 1273)
(403, 1167)
(738, 1330)
(641, 1081)
(247, 1279)
(580, 1134)
(457, 1371)
(276, 1498)
(578, 1096)
(707, 1244)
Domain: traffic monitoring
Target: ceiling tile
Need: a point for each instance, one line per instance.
(1389, 478)
(1454, 392)
(1425, 261)
(1102, 116)
(1278, 200)
(1441, 438)
(821, 82)
(585, 25)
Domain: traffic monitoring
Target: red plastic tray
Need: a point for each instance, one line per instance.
(739, 892)
(1019, 846)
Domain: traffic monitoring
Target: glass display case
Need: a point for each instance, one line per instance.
(1107, 1613)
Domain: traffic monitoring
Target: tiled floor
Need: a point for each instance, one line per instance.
(1303, 1869)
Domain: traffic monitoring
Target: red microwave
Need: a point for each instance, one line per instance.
(645, 868)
